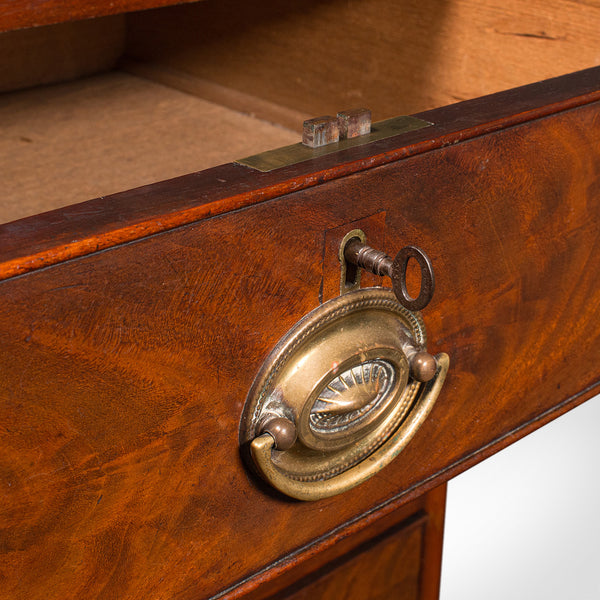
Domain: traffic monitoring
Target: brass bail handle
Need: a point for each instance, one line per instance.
(360, 254)
(281, 436)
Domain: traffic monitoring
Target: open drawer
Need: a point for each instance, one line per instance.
(134, 325)
(141, 97)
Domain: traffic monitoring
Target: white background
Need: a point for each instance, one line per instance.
(525, 523)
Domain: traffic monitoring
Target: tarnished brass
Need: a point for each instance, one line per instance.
(343, 377)
(282, 430)
(296, 153)
(355, 122)
(423, 366)
(320, 131)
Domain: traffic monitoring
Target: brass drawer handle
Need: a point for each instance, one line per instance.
(262, 448)
(341, 394)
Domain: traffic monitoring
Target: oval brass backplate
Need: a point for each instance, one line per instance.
(341, 378)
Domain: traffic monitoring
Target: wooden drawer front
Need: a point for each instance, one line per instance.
(387, 567)
(124, 372)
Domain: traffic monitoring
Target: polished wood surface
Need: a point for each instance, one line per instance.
(384, 568)
(315, 570)
(16, 14)
(124, 372)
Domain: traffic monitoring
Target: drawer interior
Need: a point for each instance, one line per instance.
(89, 108)
(67, 143)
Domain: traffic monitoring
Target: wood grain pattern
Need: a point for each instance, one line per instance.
(123, 373)
(431, 571)
(60, 52)
(17, 14)
(392, 56)
(384, 568)
(47, 239)
(297, 570)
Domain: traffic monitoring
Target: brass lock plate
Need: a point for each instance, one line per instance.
(296, 153)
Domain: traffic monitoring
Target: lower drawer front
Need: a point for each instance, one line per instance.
(127, 371)
(385, 568)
